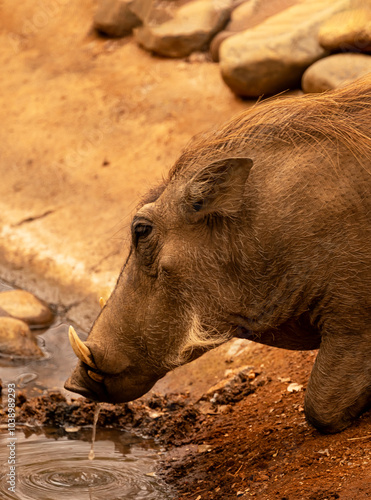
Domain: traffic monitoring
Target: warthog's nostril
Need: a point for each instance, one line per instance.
(95, 376)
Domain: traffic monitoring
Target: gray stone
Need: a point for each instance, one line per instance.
(191, 29)
(17, 340)
(247, 15)
(335, 71)
(26, 307)
(347, 31)
(273, 56)
(117, 17)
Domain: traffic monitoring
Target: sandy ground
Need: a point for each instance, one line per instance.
(88, 125)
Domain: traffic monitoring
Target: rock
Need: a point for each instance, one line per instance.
(335, 71)
(273, 56)
(17, 340)
(155, 414)
(347, 31)
(26, 307)
(155, 12)
(191, 29)
(117, 17)
(3, 313)
(72, 428)
(294, 387)
(248, 15)
(143, 8)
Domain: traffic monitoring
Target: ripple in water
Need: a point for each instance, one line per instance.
(50, 467)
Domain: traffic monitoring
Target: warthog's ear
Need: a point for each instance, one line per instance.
(218, 187)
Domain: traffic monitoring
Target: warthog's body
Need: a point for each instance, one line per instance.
(262, 231)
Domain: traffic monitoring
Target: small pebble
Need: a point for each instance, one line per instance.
(294, 387)
(72, 428)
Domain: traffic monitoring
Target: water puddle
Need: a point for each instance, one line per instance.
(54, 465)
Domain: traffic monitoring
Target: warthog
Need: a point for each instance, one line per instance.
(262, 230)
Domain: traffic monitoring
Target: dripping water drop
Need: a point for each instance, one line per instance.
(96, 415)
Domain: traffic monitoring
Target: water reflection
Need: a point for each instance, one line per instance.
(53, 464)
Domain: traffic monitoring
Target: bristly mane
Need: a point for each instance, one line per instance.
(341, 117)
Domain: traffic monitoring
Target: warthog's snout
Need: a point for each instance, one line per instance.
(113, 388)
(81, 383)
(89, 381)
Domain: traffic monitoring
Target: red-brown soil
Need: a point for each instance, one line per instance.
(263, 448)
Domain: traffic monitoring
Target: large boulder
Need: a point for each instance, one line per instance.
(117, 17)
(26, 307)
(347, 31)
(191, 29)
(17, 340)
(247, 15)
(335, 71)
(273, 56)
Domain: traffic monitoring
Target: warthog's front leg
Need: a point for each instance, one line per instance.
(339, 387)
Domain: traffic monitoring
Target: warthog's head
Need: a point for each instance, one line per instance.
(181, 281)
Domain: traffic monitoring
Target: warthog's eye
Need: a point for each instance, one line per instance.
(197, 205)
(141, 231)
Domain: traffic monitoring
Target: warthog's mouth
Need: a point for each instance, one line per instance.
(83, 391)
(124, 383)
(114, 389)
(81, 383)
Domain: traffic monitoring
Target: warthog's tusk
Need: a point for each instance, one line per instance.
(80, 349)
(102, 302)
(95, 376)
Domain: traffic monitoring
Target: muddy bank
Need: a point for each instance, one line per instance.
(246, 438)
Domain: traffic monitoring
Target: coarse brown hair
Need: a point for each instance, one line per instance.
(341, 116)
